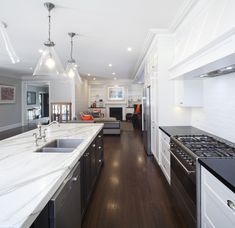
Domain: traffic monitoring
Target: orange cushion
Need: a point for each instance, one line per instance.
(87, 117)
(137, 110)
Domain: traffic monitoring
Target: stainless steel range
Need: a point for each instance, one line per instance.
(185, 150)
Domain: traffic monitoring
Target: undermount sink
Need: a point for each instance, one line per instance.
(60, 146)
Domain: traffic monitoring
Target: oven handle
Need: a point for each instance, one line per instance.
(187, 171)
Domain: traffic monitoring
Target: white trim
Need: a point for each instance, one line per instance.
(182, 14)
(8, 127)
(147, 43)
(154, 33)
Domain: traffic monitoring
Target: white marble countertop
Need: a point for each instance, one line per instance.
(28, 179)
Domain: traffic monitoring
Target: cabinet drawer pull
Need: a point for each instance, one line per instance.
(99, 136)
(93, 145)
(100, 147)
(75, 179)
(100, 160)
(231, 204)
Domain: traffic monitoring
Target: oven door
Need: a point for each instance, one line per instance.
(183, 184)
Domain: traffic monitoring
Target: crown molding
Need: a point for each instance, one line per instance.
(182, 14)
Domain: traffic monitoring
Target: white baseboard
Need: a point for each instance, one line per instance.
(8, 127)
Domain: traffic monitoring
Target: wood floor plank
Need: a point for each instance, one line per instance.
(131, 190)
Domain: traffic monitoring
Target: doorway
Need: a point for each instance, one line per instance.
(44, 104)
(36, 97)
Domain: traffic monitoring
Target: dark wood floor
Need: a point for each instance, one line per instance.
(16, 131)
(131, 190)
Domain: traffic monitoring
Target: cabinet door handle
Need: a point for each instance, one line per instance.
(93, 145)
(99, 147)
(231, 204)
(75, 179)
(99, 136)
(100, 160)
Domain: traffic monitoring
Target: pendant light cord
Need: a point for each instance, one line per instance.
(49, 27)
(71, 50)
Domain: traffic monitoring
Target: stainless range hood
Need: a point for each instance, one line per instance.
(220, 67)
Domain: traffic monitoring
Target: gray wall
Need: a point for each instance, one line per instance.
(11, 113)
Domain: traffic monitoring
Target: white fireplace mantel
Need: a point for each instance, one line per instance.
(115, 105)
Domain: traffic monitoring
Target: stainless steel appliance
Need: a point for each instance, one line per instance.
(185, 150)
(146, 120)
(65, 205)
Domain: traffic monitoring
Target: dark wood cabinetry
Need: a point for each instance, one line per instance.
(91, 163)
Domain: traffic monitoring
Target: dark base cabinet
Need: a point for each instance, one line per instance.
(42, 220)
(91, 163)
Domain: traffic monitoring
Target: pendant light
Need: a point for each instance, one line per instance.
(49, 63)
(8, 46)
(72, 68)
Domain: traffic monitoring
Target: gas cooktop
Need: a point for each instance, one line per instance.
(206, 146)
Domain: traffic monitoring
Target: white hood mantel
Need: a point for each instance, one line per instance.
(220, 52)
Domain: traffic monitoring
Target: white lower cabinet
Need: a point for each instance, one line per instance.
(217, 202)
(164, 152)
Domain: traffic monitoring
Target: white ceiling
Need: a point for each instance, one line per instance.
(107, 28)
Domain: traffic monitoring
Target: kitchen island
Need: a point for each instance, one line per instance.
(29, 179)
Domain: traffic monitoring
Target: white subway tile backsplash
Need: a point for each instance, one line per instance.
(218, 114)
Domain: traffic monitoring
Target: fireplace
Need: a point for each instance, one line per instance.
(116, 112)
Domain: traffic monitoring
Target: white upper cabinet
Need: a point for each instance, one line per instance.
(189, 93)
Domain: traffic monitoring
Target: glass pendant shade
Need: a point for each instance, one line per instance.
(71, 71)
(7, 44)
(49, 63)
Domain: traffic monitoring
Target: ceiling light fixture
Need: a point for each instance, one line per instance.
(9, 48)
(113, 73)
(203, 75)
(129, 49)
(110, 65)
(71, 68)
(49, 63)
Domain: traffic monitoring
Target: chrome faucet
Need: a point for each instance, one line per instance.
(40, 135)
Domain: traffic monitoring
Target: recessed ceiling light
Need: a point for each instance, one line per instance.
(40, 50)
(113, 73)
(88, 74)
(203, 75)
(129, 49)
(94, 79)
(229, 68)
(115, 78)
(110, 65)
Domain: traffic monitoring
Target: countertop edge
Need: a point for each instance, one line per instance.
(216, 174)
(161, 128)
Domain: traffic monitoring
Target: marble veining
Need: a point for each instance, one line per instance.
(28, 179)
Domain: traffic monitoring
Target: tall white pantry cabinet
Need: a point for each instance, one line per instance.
(164, 112)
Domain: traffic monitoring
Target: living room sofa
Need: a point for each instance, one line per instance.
(111, 124)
